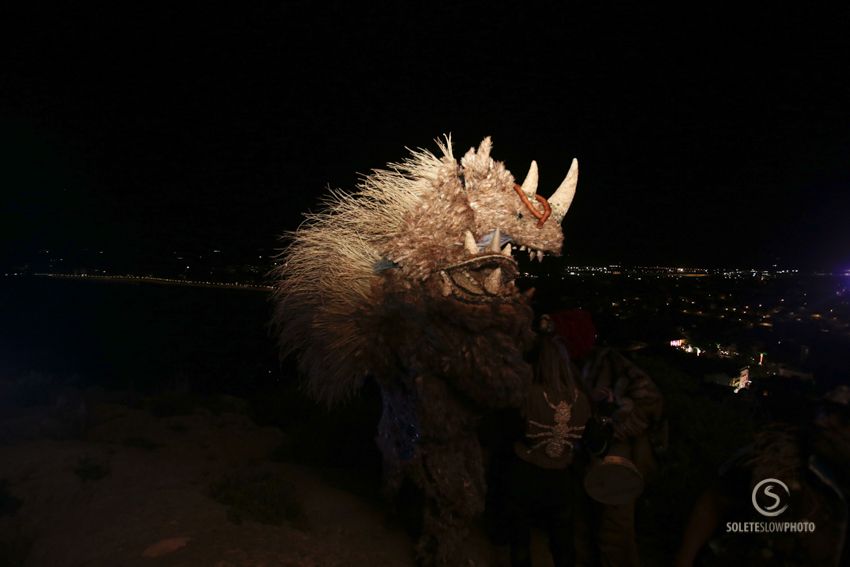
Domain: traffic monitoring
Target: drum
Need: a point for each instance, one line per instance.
(614, 480)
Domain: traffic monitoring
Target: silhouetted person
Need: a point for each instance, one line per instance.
(813, 461)
(541, 482)
(624, 398)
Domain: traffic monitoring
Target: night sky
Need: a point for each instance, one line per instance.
(706, 137)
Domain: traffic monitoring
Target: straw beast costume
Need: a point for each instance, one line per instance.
(410, 279)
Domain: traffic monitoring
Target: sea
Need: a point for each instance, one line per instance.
(137, 335)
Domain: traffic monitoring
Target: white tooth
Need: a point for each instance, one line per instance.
(540, 255)
(467, 282)
(493, 282)
(522, 248)
(446, 284)
(497, 238)
(531, 253)
(469, 243)
(506, 251)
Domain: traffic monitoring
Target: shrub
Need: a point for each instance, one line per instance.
(89, 469)
(262, 497)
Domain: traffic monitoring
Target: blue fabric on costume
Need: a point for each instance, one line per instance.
(398, 429)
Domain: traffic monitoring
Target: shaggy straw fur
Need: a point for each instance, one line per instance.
(390, 280)
(413, 214)
(326, 278)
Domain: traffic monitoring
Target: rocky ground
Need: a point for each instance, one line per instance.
(97, 480)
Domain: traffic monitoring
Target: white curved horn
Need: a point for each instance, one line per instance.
(562, 198)
(529, 186)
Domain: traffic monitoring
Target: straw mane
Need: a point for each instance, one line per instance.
(332, 262)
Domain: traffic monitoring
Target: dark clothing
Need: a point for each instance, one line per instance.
(816, 496)
(542, 486)
(554, 425)
(634, 405)
(546, 496)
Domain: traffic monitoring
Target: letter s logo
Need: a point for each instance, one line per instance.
(769, 485)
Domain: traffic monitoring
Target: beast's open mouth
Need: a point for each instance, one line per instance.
(483, 278)
(496, 241)
(490, 271)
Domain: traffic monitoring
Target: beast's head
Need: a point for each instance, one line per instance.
(467, 228)
(523, 218)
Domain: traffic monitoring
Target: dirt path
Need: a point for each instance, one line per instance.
(137, 491)
(190, 490)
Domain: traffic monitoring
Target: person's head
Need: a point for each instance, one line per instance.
(551, 360)
(545, 324)
(576, 329)
(832, 428)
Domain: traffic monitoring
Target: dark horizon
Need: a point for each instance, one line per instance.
(704, 137)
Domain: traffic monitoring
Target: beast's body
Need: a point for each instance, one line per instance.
(411, 280)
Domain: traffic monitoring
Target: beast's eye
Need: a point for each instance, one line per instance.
(519, 216)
